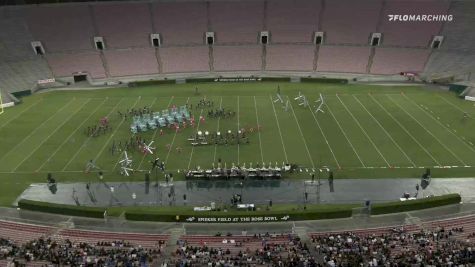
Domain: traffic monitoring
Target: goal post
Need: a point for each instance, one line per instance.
(1, 104)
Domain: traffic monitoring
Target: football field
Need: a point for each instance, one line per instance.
(366, 131)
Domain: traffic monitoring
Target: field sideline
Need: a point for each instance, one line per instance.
(366, 131)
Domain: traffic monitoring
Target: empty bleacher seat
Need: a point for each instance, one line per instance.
(22, 75)
(290, 57)
(450, 62)
(411, 33)
(458, 33)
(231, 58)
(15, 37)
(21, 233)
(180, 23)
(62, 28)
(237, 22)
(350, 22)
(184, 59)
(64, 65)
(343, 59)
(140, 61)
(124, 25)
(396, 60)
(292, 21)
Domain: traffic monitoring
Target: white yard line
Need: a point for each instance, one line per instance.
(441, 124)
(51, 134)
(324, 137)
(88, 138)
(301, 135)
(356, 168)
(238, 146)
(193, 147)
(452, 104)
(259, 132)
(346, 136)
(117, 162)
(280, 132)
(35, 172)
(21, 113)
(429, 132)
(174, 135)
(113, 133)
(155, 132)
(405, 130)
(386, 132)
(38, 127)
(69, 137)
(363, 130)
(217, 130)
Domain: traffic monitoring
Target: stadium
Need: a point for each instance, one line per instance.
(237, 133)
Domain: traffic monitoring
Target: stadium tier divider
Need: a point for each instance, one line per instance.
(418, 204)
(153, 82)
(324, 80)
(14, 98)
(276, 79)
(70, 210)
(311, 212)
(325, 212)
(19, 94)
(200, 80)
(458, 89)
(237, 79)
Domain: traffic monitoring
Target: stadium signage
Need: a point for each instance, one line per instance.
(46, 81)
(424, 18)
(469, 98)
(237, 219)
(238, 79)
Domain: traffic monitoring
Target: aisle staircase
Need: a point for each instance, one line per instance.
(175, 235)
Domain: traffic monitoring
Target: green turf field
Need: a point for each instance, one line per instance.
(366, 131)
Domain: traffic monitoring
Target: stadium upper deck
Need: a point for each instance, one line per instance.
(67, 31)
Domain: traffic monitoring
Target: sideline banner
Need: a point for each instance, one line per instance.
(46, 81)
(238, 219)
(239, 79)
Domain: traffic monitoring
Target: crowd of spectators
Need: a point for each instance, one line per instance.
(437, 247)
(257, 250)
(67, 253)
(395, 247)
